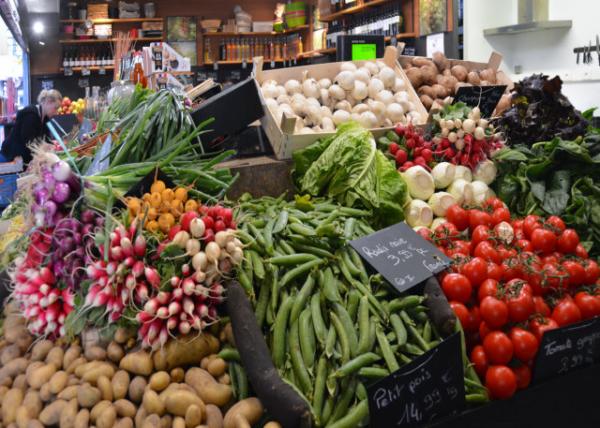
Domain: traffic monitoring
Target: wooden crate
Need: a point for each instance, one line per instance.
(281, 135)
(97, 11)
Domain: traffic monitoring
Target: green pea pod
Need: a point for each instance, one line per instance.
(280, 331)
(300, 370)
(427, 333)
(302, 297)
(406, 302)
(299, 270)
(341, 408)
(302, 229)
(353, 300)
(330, 341)
(328, 284)
(353, 417)
(348, 326)
(342, 336)
(353, 212)
(476, 398)
(356, 364)
(361, 391)
(268, 236)
(399, 329)
(414, 333)
(319, 391)
(292, 260)
(229, 354)
(412, 349)
(311, 249)
(364, 277)
(257, 265)
(372, 335)
(373, 372)
(258, 236)
(349, 228)
(287, 248)
(274, 286)
(332, 386)
(308, 344)
(386, 350)
(317, 318)
(327, 410)
(242, 381)
(354, 271)
(263, 302)
(246, 283)
(363, 325)
(282, 222)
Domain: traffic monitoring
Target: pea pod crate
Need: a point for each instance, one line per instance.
(281, 124)
(328, 327)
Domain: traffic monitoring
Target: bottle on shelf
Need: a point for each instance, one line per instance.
(137, 74)
(222, 51)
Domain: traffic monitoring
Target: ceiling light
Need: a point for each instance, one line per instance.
(42, 43)
(38, 27)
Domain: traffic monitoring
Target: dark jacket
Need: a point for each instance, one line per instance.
(28, 127)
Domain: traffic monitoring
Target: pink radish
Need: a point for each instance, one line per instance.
(139, 247)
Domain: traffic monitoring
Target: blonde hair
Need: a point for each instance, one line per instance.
(49, 95)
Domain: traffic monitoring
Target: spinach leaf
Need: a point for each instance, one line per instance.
(557, 195)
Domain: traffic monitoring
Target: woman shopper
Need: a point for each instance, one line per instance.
(29, 126)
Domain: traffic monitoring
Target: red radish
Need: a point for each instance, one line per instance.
(174, 308)
(174, 281)
(186, 220)
(174, 231)
(138, 269)
(172, 323)
(152, 277)
(208, 222)
(162, 313)
(184, 327)
(139, 248)
(126, 246)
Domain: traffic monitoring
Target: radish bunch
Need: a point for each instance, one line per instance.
(189, 306)
(45, 302)
(125, 279)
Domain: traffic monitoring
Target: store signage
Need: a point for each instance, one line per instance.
(401, 255)
(429, 387)
(567, 348)
(486, 97)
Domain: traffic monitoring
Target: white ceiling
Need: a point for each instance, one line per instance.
(42, 6)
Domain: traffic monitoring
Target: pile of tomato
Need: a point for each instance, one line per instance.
(512, 280)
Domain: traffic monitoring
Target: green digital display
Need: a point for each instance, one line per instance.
(364, 51)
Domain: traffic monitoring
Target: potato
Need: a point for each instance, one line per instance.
(489, 75)
(440, 91)
(98, 409)
(152, 403)
(10, 353)
(75, 364)
(427, 101)
(249, 410)
(107, 418)
(21, 382)
(418, 61)
(10, 403)
(105, 388)
(214, 417)
(159, 381)
(193, 415)
(217, 367)
(22, 417)
(136, 389)
(71, 355)
(122, 335)
(140, 416)
(139, 363)
(473, 78)
(99, 369)
(426, 90)
(177, 402)
(115, 352)
(69, 392)
(429, 75)
(415, 77)
(272, 424)
(120, 384)
(73, 380)
(124, 423)
(69, 414)
(440, 60)
(33, 403)
(45, 393)
(34, 423)
(55, 357)
(58, 382)
(177, 375)
(125, 408)
(484, 83)
(152, 421)
(51, 413)
(36, 378)
(185, 351)
(207, 388)
(166, 421)
(12, 369)
(228, 330)
(82, 420)
(224, 379)
(179, 422)
(88, 396)
(95, 353)
(460, 72)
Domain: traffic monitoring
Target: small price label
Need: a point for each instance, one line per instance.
(244, 64)
(85, 71)
(272, 64)
(68, 71)
(102, 71)
(215, 65)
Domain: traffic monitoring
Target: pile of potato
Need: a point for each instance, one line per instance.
(73, 386)
(436, 79)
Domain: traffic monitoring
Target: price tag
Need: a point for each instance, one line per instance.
(85, 71)
(68, 71)
(567, 348)
(244, 64)
(215, 65)
(102, 71)
(272, 64)
(486, 97)
(401, 255)
(429, 387)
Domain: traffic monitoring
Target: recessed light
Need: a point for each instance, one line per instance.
(42, 43)
(38, 27)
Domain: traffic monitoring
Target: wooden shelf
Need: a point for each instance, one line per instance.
(402, 36)
(88, 41)
(257, 34)
(317, 52)
(95, 68)
(111, 21)
(241, 62)
(353, 10)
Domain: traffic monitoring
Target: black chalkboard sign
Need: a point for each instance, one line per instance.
(567, 348)
(486, 97)
(429, 387)
(401, 255)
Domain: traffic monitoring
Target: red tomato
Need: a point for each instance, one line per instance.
(592, 271)
(506, 253)
(477, 217)
(543, 240)
(459, 247)
(539, 326)
(457, 287)
(484, 330)
(519, 299)
(500, 214)
(541, 307)
(461, 312)
(556, 224)
(530, 223)
(524, 245)
(550, 259)
(425, 233)
(479, 360)
(493, 311)
(588, 304)
(525, 344)
(517, 224)
(445, 233)
(489, 287)
(566, 312)
(523, 374)
(476, 271)
(580, 251)
(498, 347)
(480, 234)
(555, 277)
(486, 251)
(519, 234)
(458, 216)
(494, 204)
(494, 271)
(568, 241)
(512, 268)
(501, 382)
(576, 273)
(474, 319)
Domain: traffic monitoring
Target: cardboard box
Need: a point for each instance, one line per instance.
(281, 135)
(262, 26)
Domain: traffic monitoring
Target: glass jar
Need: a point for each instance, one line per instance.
(120, 89)
(149, 10)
